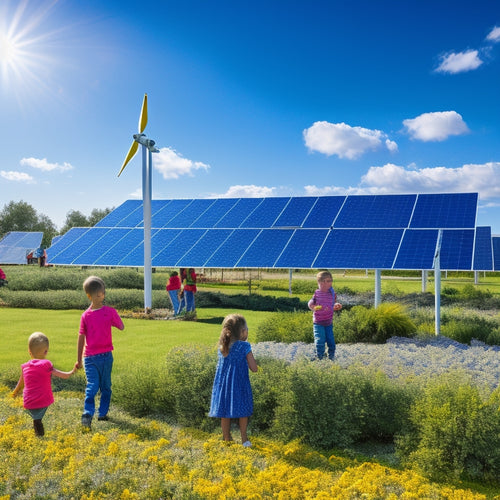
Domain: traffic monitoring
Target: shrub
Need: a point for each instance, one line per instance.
(453, 432)
(361, 324)
(286, 327)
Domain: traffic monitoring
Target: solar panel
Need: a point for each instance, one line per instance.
(16, 245)
(483, 252)
(353, 232)
(383, 211)
(457, 210)
(495, 243)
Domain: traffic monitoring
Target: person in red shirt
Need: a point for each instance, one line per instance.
(173, 288)
(36, 378)
(3, 278)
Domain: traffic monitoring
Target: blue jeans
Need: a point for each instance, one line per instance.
(175, 300)
(322, 335)
(98, 373)
(189, 296)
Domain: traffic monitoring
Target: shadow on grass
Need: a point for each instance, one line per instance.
(212, 321)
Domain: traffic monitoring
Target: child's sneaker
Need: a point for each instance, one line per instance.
(87, 420)
(247, 444)
(104, 418)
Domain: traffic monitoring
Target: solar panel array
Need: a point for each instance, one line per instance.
(16, 245)
(495, 243)
(343, 232)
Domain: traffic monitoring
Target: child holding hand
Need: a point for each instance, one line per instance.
(232, 392)
(95, 349)
(36, 380)
(323, 304)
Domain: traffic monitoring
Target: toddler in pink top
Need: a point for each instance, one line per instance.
(36, 378)
(95, 349)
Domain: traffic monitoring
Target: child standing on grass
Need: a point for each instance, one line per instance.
(232, 392)
(323, 304)
(173, 287)
(36, 380)
(95, 345)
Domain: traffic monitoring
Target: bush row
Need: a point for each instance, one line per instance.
(447, 429)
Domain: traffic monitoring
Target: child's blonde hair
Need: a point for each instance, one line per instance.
(232, 327)
(322, 275)
(38, 343)
(93, 284)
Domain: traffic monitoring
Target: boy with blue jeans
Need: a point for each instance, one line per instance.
(323, 304)
(95, 346)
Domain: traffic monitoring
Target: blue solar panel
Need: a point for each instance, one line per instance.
(302, 249)
(266, 248)
(417, 249)
(295, 212)
(324, 212)
(192, 211)
(204, 248)
(177, 247)
(129, 240)
(456, 249)
(232, 249)
(445, 211)
(359, 249)
(483, 252)
(15, 246)
(214, 213)
(304, 232)
(383, 211)
(266, 213)
(240, 211)
(495, 243)
(119, 213)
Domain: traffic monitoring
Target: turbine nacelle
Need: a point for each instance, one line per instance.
(144, 141)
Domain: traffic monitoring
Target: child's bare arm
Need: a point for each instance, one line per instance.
(81, 345)
(252, 364)
(60, 374)
(19, 386)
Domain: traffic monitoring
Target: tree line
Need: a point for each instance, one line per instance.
(21, 216)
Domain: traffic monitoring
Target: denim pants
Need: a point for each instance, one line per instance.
(175, 300)
(322, 335)
(189, 296)
(98, 373)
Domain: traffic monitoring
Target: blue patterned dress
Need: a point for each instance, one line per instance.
(231, 392)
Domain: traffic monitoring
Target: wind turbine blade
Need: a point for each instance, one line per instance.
(130, 155)
(143, 119)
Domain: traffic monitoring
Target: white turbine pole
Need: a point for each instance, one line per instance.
(146, 197)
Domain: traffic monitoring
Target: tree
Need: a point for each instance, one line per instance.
(75, 218)
(21, 216)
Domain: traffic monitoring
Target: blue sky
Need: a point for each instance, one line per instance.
(261, 98)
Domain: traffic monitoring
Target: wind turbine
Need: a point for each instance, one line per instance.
(148, 147)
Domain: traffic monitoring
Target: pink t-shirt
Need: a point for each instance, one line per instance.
(37, 392)
(326, 299)
(96, 325)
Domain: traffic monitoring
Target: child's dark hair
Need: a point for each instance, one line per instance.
(93, 284)
(174, 273)
(232, 327)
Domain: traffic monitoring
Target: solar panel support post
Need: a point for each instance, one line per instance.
(437, 283)
(378, 287)
(290, 282)
(425, 275)
(146, 196)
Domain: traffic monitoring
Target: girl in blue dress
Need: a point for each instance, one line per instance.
(231, 392)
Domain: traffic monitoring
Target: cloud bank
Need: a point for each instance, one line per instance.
(44, 165)
(12, 175)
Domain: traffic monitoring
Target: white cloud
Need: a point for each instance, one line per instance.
(44, 165)
(172, 164)
(436, 126)
(459, 62)
(494, 35)
(481, 178)
(247, 191)
(16, 176)
(343, 140)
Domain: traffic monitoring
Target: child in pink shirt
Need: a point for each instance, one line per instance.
(36, 378)
(95, 346)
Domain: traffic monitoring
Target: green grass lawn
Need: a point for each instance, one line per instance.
(142, 339)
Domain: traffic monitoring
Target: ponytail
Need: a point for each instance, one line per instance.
(231, 330)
